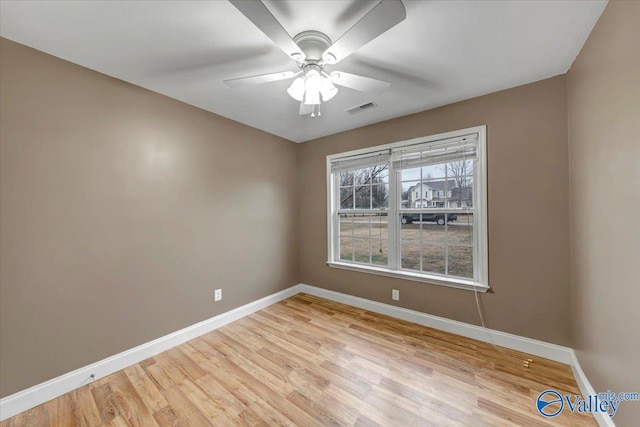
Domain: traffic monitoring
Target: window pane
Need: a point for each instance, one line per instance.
(379, 227)
(460, 170)
(361, 250)
(346, 224)
(406, 196)
(461, 261)
(346, 248)
(439, 190)
(410, 254)
(433, 260)
(412, 174)
(380, 252)
(380, 196)
(432, 193)
(380, 174)
(432, 232)
(362, 176)
(461, 195)
(380, 240)
(410, 227)
(363, 197)
(361, 226)
(460, 231)
(346, 239)
(433, 172)
(346, 198)
(346, 179)
(364, 238)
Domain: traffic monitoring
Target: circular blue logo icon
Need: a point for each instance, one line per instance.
(549, 403)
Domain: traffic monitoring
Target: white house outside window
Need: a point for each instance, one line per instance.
(413, 209)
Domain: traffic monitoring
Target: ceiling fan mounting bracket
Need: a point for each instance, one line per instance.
(313, 44)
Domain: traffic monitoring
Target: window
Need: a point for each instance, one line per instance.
(380, 222)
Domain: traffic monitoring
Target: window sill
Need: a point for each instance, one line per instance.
(468, 285)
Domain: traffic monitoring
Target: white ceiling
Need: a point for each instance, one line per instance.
(445, 51)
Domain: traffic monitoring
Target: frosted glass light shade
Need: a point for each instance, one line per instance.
(313, 81)
(312, 86)
(311, 98)
(328, 90)
(296, 90)
(312, 89)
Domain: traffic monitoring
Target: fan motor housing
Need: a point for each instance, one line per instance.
(313, 44)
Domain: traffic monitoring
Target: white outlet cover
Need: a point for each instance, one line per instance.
(218, 294)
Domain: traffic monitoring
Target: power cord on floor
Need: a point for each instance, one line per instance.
(525, 362)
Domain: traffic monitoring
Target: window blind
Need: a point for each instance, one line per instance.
(437, 152)
(360, 162)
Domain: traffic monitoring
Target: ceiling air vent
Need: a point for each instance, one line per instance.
(359, 108)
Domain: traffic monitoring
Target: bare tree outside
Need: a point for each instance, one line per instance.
(461, 172)
(368, 185)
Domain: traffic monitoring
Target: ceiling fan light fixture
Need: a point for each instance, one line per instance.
(311, 98)
(312, 81)
(297, 89)
(312, 87)
(328, 90)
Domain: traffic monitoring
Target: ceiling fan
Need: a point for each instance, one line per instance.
(313, 51)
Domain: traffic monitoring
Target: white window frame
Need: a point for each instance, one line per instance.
(480, 247)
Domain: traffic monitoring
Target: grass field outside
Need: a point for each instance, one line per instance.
(425, 247)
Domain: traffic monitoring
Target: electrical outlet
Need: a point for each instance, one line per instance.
(218, 294)
(395, 295)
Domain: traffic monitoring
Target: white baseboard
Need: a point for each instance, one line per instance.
(515, 342)
(41, 393)
(586, 389)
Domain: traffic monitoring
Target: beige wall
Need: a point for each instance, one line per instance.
(528, 212)
(121, 211)
(604, 142)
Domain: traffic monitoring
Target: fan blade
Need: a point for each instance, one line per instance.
(384, 16)
(258, 13)
(361, 83)
(262, 78)
(305, 110)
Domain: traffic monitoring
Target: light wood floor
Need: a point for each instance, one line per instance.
(307, 361)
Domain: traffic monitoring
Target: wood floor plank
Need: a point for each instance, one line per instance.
(166, 417)
(184, 409)
(260, 369)
(210, 408)
(85, 411)
(220, 395)
(146, 388)
(272, 416)
(319, 412)
(307, 361)
(158, 376)
(118, 398)
(249, 417)
(389, 413)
